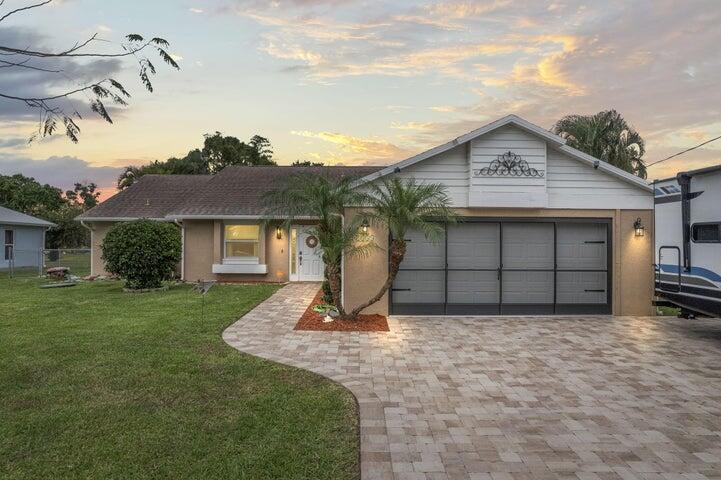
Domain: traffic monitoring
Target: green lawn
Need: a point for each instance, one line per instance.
(95, 383)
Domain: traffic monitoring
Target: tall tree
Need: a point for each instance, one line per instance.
(26, 195)
(325, 199)
(191, 164)
(606, 136)
(306, 163)
(222, 151)
(84, 194)
(218, 152)
(53, 108)
(399, 206)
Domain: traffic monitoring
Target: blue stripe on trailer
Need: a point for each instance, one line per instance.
(695, 271)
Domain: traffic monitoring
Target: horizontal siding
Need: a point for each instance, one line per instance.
(572, 184)
(449, 168)
(487, 148)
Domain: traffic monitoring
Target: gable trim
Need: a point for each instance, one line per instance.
(556, 141)
(606, 167)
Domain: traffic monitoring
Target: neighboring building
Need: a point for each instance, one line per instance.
(23, 239)
(688, 240)
(546, 229)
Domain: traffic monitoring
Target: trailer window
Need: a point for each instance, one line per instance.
(706, 232)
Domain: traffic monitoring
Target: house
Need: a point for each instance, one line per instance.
(546, 229)
(23, 238)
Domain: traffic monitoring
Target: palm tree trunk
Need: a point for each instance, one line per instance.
(397, 253)
(334, 280)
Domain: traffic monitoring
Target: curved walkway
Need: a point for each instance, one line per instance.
(514, 398)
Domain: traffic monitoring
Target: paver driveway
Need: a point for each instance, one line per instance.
(515, 397)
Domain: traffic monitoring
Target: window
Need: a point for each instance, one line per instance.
(293, 251)
(9, 243)
(671, 189)
(706, 232)
(242, 241)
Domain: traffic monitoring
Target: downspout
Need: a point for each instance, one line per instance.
(684, 181)
(182, 248)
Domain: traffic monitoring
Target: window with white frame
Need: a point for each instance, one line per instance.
(242, 242)
(9, 244)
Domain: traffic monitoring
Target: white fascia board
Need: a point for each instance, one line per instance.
(119, 219)
(607, 167)
(233, 217)
(29, 224)
(550, 137)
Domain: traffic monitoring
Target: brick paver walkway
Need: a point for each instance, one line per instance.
(515, 398)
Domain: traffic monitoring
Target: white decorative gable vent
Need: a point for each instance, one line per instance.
(509, 165)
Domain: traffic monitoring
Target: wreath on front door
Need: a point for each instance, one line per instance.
(311, 241)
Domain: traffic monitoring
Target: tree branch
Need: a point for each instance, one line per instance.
(54, 97)
(23, 8)
(6, 64)
(69, 53)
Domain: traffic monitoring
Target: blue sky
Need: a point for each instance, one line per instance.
(344, 81)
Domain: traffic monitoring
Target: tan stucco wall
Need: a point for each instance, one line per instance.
(203, 246)
(633, 265)
(364, 275)
(97, 235)
(632, 258)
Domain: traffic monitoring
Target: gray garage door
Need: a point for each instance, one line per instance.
(507, 267)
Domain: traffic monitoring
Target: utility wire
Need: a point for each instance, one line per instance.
(681, 153)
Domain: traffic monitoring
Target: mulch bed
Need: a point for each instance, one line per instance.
(365, 323)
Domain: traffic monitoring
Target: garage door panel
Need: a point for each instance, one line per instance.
(528, 246)
(513, 267)
(474, 245)
(473, 287)
(581, 287)
(527, 287)
(581, 246)
(422, 253)
(419, 287)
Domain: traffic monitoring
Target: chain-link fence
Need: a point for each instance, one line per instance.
(36, 262)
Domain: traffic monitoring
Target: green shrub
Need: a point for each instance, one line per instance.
(143, 252)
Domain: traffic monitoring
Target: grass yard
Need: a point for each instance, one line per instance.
(95, 383)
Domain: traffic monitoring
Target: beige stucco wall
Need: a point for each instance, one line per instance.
(97, 235)
(203, 246)
(632, 258)
(363, 276)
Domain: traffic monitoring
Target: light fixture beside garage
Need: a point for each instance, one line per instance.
(639, 228)
(364, 226)
(278, 233)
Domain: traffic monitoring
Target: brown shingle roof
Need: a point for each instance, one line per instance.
(152, 196)
(240, 190)
(233, 191)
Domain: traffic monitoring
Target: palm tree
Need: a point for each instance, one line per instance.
(402, 205)
(606, 136)
(324, 199)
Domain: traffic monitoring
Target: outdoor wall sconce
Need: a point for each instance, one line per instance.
(638, 227)
(278, 233)
(364, 226)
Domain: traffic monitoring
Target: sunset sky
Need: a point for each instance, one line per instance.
(354, 82)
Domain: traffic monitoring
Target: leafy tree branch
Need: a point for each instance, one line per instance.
(100, 93)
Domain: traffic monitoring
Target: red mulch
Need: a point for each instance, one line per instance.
(365, 323)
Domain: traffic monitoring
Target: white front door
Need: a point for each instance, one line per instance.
(308, 265)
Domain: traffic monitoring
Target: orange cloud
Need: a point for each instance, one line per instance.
(369, 148)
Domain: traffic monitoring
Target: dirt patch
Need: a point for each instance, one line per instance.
(365, 323)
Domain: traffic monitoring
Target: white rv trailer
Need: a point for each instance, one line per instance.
(688, 240)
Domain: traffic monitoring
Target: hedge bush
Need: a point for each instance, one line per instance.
(143, 252)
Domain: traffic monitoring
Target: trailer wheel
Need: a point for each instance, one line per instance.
(687, 314)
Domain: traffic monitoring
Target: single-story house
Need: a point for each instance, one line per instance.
(546, 229)
(23, 238)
